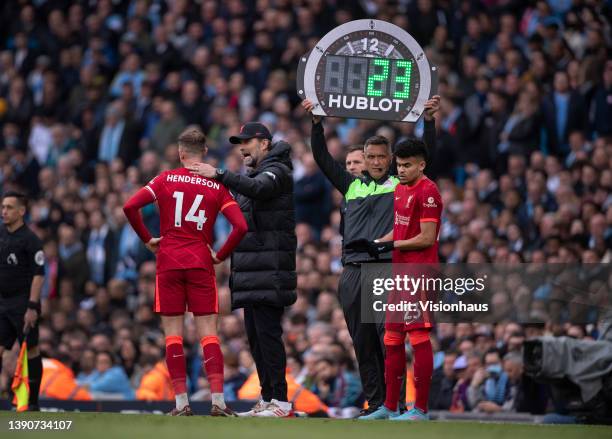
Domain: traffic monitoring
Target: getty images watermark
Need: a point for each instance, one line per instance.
(487, 293)
(414, 289)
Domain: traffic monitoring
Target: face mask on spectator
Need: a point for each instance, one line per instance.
(494, 369)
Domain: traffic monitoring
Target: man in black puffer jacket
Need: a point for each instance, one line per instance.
(263, 278)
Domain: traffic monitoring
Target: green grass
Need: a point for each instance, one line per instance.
(112, 425)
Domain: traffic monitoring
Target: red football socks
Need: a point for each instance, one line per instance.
(395, 369)
(213, 362)
(175, 359)
(423, 369)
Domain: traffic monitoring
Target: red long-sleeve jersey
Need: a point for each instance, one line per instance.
(188, 207)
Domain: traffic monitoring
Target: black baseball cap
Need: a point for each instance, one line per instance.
(251, 130)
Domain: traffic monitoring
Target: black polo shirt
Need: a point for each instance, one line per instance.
(21, 258)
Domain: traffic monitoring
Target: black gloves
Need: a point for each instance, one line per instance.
(374, 249)
(360, 245)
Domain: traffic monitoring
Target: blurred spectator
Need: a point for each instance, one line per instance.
(565, 112)
(312, 196)
(525, 395)
(602, 104)
(489, 388)
(155, 384)
(129, 356)
(73, 262)
(336, 386)
(118, 138)
(493, 124)
(454, 131)
(130, 72)
(101, 247)
(107, 380)
(168, 128)
(442, 383)
(192, 107)
(521, 133)
(234, 376)
(58, 382)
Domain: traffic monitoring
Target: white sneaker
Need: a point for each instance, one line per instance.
(259, 407)
(276, 409)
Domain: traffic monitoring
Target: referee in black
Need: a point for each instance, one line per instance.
(22, 272)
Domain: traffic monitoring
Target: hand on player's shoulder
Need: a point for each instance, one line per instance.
(203, 169)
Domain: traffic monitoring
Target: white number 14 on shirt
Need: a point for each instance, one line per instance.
(178, 211)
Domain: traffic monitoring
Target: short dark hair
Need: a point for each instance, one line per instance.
(21, 198)
(109, 354)
(193, 140)
(492, 351)
(500, 94)
(354, 148)
(376, 140)
(411, 148)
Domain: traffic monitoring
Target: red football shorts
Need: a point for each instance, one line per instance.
(177, 291)
(409, 320)
(411, 314)
(407, 327)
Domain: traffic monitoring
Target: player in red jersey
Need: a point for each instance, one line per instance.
(414, 239)
(185, 280)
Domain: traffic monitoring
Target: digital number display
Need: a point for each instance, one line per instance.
(376, 77)
(368, 69)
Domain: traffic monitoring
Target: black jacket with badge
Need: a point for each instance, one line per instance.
(21, 258)
(263, 264)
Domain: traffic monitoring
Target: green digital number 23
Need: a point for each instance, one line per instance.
(403, 79)
(382, 77)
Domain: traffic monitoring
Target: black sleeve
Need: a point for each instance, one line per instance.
(334, 171)
(429, 137)
(524, 131)
(36, 255)
(312, 191)
(263, 186)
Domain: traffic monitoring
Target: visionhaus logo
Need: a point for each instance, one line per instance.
(428, 306)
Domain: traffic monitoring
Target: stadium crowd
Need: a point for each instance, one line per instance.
(94, 94)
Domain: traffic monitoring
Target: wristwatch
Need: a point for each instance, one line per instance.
(219, 173)
(34, 305)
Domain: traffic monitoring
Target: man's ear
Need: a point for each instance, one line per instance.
(268, 145)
